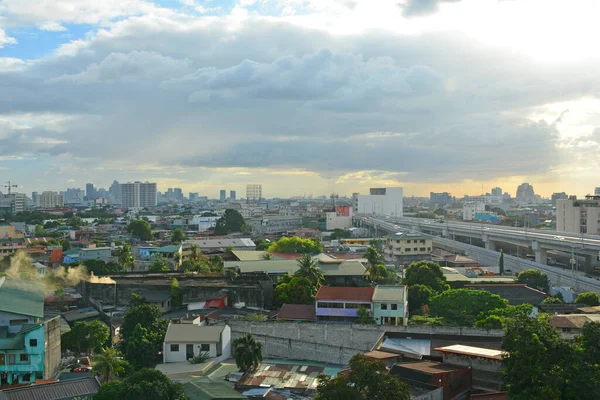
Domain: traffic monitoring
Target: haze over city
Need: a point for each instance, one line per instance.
(305, 97)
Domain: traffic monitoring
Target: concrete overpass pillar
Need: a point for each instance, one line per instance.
(589, 263)
(489, 243)
(541, 254)
(445, 233)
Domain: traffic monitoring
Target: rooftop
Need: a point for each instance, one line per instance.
(249, 255)
(471, 351)
(21, 297)
(297, 312)
(221, 243)
(345, 293)
(209, 389)
(82, 313)
(191, 333)
(174, 248)
(53, 391)
(408, 235)
(381, 355)
(267, 266)
(430, 367)
(576, 321)
(393, 293)
(344, 268)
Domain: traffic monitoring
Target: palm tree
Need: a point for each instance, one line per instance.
(377, 271)
(307, 268)
(248, 353)
(110, 363)
(267, 256)
(372, 255)
(125, 257)
(195, 253)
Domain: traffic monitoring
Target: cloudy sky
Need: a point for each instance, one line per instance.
(303, 96)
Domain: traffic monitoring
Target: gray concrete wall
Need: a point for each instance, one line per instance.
(331, 343)
(52, 351)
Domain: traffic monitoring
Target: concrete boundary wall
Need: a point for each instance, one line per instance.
(331, 343)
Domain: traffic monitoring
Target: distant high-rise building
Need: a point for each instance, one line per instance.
(138, 194)
(51, 200)
(35, 199)
(178, 194)
(525, 192)
(597, 191)
(379, 201)
(73, 196)
(496, 191)
(193, 197)
(442, 199)
(223, 195)
(115, 192)
(253, 193)
(232, 194)
(90, 191)
(558, 196)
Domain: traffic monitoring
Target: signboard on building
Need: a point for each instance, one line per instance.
(342, 211)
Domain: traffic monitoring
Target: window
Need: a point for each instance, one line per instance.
(422, 249)
(422, 241)
(205, 347)
(416, 249)
(356, 305)
(1, 359)
(394, 306)
(383, 306)
(14, 322)
(407, 249)
(33, 342)
(24, 358)
(26, 378)
(11, 359)
(174, 347)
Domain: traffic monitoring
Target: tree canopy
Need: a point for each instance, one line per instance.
(142, 334)
(247, 352)
(294, 290)
(177, 236)
(428, 274)
(418, 296)
(140, 229)
(307, 268)
(588, 298)
(295, 244)
(84, 337)
(534, 279)
(541, 365)
(368, 380)
(231, 221)
(461, 307)
(146, 384)
(159, 264)
(125, 257)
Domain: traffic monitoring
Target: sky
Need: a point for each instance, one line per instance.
(302, 96)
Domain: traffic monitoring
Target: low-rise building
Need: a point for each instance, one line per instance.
(96, 253)
(484, 363)
(82, 388)
(274, 225)
(570, 325)
(405, 248)
(184, 341)
(8, 231)
(390, 305)
(341, 304)
(220, 244)
(455, 381)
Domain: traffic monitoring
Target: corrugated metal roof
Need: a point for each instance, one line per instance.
(297, 312)
(53, 391)
(345, 293)
(415, 348)
(389, 293)
(21, 297)
(471, 351)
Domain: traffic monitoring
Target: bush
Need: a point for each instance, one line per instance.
(200, 358)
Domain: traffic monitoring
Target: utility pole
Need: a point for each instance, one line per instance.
(9, 186)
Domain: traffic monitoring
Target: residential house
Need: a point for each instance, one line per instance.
(184, 341)
(29, 345)
(80, 389)
(341, 304)
(455, 381)
(515, 293)
(172, 253)
(570, 325)
(390, 305)
(71, 255)
(484, 363)
(407, 247)
(162, 300)
(339, 272)
(96, 253)
(297, 312)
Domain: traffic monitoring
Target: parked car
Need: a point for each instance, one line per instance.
(81, 369)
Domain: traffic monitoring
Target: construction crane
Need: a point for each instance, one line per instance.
(334, 197)
(9, 186)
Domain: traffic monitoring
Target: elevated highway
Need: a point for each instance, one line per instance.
(540, 242)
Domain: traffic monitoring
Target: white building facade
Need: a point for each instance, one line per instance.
(470, 209)
(138, 194)
(379, 202)
(184, 341)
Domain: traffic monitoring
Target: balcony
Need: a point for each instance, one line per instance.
(337, 312)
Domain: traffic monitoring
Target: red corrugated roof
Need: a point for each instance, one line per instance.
(345, 293)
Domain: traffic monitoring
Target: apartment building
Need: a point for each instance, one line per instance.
(404, 247)
(51, 200)
(138, 194)
(578, 215)
(253, 193)
(379, 201)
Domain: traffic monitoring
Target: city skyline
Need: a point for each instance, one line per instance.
(305, 97)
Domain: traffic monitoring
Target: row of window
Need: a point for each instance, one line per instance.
(408, 250)
(323, 304)
(203, 347)
(384, 306)
(23, 358)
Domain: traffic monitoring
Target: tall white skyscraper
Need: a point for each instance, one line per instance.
(138, 194)
(253, 193)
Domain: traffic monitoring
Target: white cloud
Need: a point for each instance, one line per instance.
(9, 64)
(5, 39)
(52, 27)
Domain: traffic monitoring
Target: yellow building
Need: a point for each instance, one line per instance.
(7, 231)
(404, 246)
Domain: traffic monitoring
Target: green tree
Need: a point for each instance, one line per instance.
(368, 380)
(499, 317)
(307, 268)
(231, 221)
(261, 244)
(141, 229)
(246, 229)
(66, 245)
(39, 231)
(294, 290)
(217, 264)
(418, 296)
(534, 279)
(377, 272)
(501, 262)
(75, 222)
(110, 364)
(146, 384)
(159, 264)
(377, 244)
(177, 236)
(195, 253)
(176, 294)
(248, 353)
(552, 300)
(267, 256)
(364, 316)
(141, 349)
(295, 244)
(373, 256)
(340, 234)
(588, 342)
(85, 337)
(428, 274)
(125, 257)
(231, 274)
(588, 298)
(461, 307)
